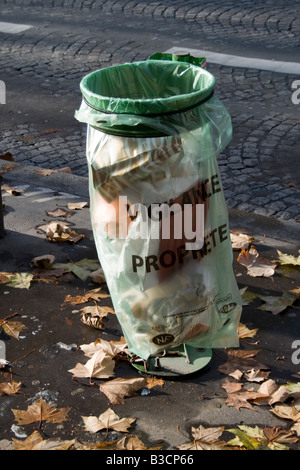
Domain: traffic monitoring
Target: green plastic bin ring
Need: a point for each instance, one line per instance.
(122, 97)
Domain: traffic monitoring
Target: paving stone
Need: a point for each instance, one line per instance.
(265, 131)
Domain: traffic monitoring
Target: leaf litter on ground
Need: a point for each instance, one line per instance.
(239, 366)
(256, 265)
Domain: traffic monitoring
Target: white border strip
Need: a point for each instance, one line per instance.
(13, 28)
(239, 61)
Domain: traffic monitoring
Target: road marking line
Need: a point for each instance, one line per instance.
(13, 28)
(239, 61)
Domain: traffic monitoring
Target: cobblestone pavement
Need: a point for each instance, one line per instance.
(43, 65)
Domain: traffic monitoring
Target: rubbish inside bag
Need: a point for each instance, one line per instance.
(159, 217)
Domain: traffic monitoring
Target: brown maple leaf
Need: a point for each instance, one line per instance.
(100, 366)
(255, 264)
(242, 398)
(95, 294)
(205, 439)
(10, 388)
(107, 420)
(117, 389)
(36, 442)
(41, 411)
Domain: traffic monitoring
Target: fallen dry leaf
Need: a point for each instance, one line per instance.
(207, 435)
(277, 304)
(286, 412)
(200, 445)
(77, 205)
(10, 388)
(272, 392)
(59, 213)
(109, 348)
(95, 294)
(154, 381)
(117, 389)
(254, 438)
(17, 280)
(11, 191)
(93, 315)
(205, 439)
(288, 259)
(78, 269)
(99, 366)
(131, 443)
(4, 279)
(36, 442)
(240, 241)
(41, 411)
(53, 275)
(255, 264)
(241, 362)
(256, 375)
(107, 420)
(244, 332)
(247, 296)
(97, 310)
(268, 387)
(13, 328)
(98, 276)
(44, 261)
(242, 398)
(93, 321)
(58, 232)
(47, 172)
(232, 387)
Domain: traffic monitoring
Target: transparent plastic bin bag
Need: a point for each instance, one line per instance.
(159, 218)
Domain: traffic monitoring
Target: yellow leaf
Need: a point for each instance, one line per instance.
(244, 332)
(19, 280)
(261, 439)
(13, 328)
(277, 304)
(288, 259)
